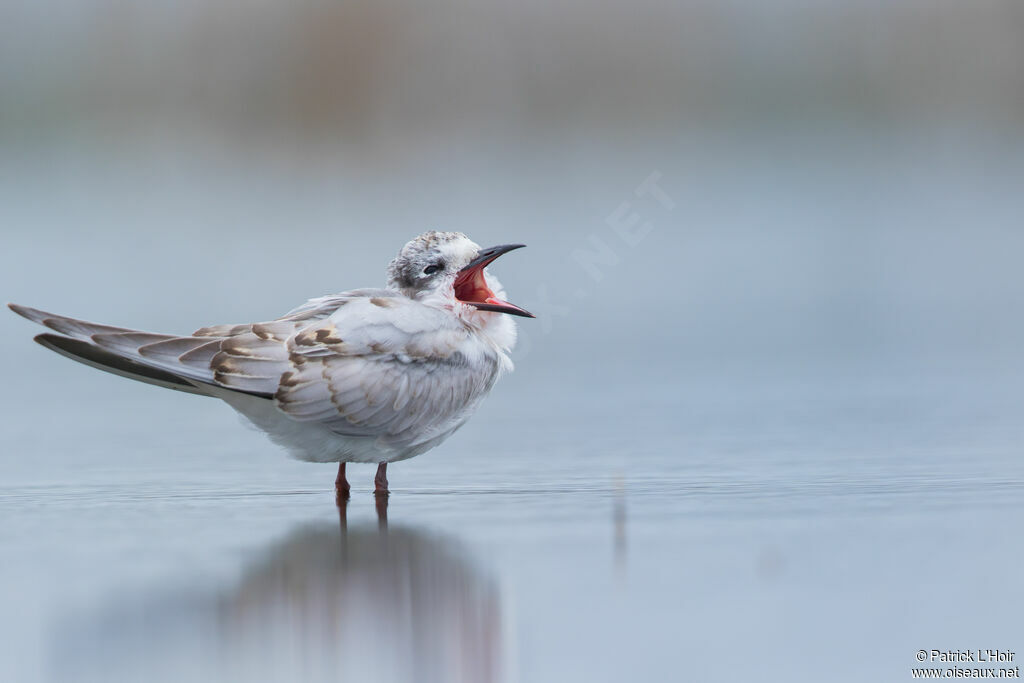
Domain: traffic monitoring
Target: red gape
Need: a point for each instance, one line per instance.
(471, 284)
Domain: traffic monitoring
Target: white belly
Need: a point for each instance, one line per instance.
(313, 442)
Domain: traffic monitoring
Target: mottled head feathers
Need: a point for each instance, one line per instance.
(429, 261)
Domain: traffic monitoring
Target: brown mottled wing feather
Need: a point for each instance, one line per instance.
(391, 369)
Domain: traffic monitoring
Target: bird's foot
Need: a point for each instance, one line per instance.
(342, 490)
(380, 482)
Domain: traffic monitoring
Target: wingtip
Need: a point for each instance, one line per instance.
(51, 341)
(33, 314)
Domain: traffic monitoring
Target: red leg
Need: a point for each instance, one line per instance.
(380, 482)
(341, 488)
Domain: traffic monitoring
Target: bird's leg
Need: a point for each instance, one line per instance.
(341, 488)
(380, 482)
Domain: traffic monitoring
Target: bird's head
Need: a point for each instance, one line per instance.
(451, 269)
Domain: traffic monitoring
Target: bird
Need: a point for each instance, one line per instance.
(367, 375)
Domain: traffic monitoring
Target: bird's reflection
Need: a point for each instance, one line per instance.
(330, 601)
(387, 601)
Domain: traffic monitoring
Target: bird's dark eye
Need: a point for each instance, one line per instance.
(430, 270)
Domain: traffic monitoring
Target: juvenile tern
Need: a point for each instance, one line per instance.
(367, 375)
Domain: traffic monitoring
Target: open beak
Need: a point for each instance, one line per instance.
(471, 285)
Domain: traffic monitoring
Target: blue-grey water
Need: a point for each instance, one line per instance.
(777, 438)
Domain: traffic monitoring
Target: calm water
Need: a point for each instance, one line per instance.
(807, 533)
(796, 456)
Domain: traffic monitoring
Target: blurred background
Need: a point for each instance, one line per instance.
(775, 256)
(844, 174)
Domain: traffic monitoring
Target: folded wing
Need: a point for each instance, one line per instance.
(368, 363)
(386, 367)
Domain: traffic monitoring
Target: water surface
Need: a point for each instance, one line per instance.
(778, 440)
